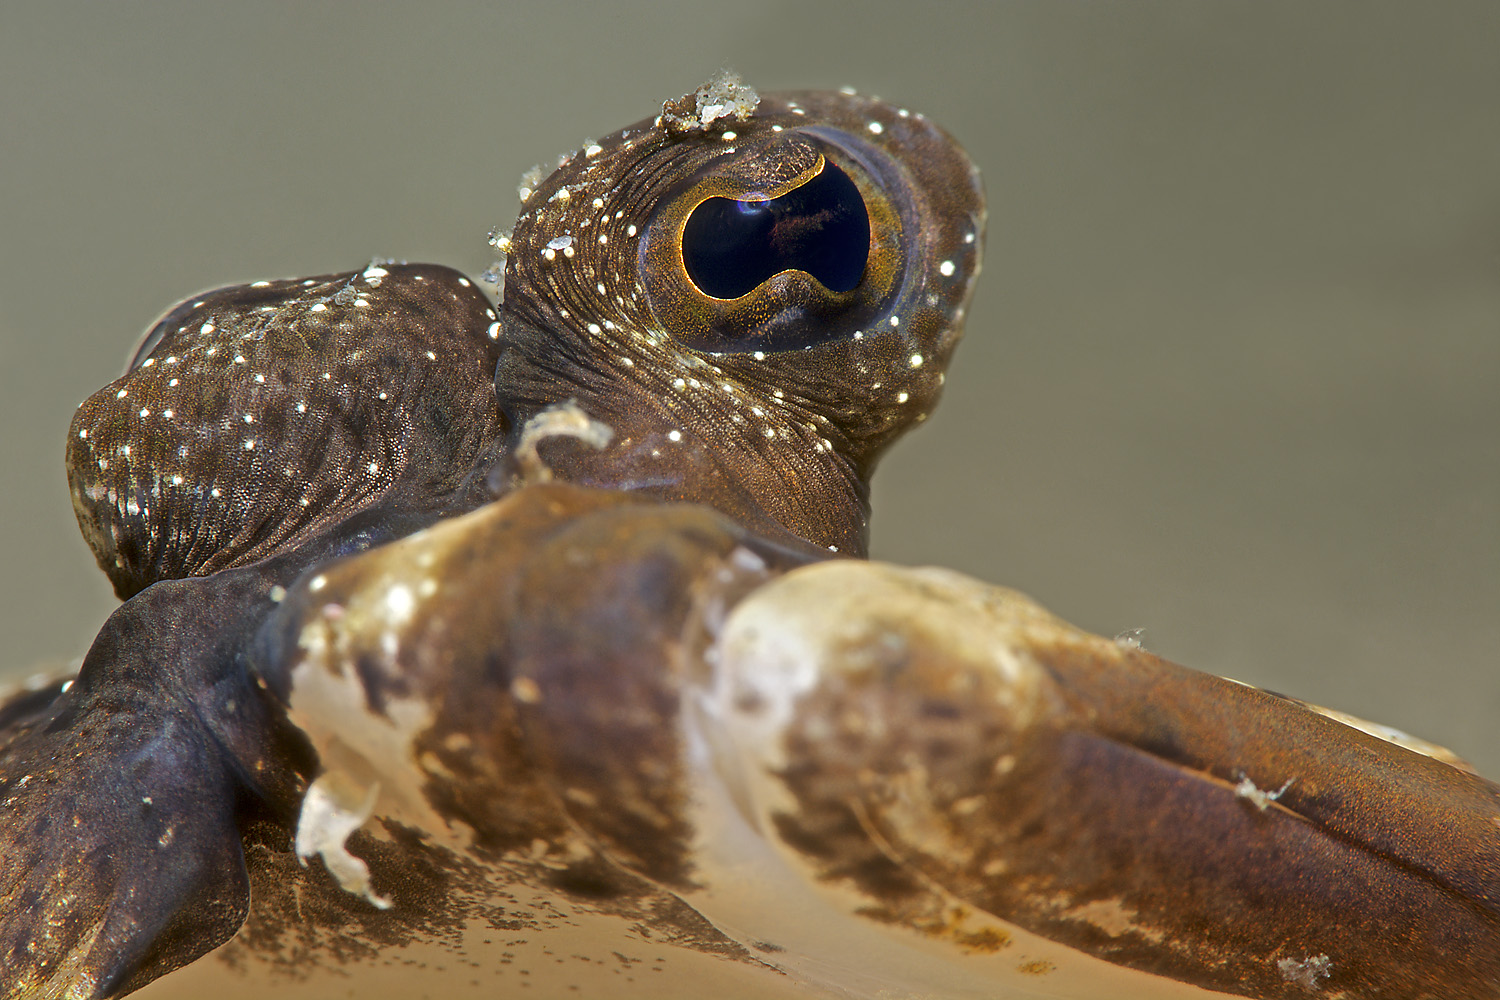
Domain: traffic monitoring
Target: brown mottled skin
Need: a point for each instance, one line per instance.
(272, 457)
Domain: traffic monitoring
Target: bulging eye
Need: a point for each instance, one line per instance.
(732, 245)
(789, 242)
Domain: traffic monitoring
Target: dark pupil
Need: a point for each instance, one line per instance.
(822, 228)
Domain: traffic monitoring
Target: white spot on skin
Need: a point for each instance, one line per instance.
(875, 128)
(318, 307)
(399, 602)
(674, 436)
(946, 268)
(916, 361)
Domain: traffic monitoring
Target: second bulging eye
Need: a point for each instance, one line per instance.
(730, 246)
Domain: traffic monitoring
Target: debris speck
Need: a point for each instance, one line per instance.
(559, 420)
(529, 180)
(1131, 638)
(725, 97)
(1257, 796)
(1305, 972)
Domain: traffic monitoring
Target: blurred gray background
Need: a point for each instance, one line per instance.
(1233, 375)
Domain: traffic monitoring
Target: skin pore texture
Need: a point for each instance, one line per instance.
(447, 622)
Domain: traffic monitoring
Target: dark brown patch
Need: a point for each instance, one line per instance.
(602, 617)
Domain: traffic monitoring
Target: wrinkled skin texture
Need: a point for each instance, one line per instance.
(544, 601)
